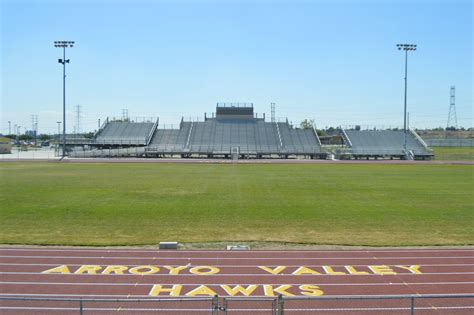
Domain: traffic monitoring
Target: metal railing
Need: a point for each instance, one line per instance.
(279, 305)
(83, 305)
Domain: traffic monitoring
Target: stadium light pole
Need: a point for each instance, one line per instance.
(406, 48)
(64, 44)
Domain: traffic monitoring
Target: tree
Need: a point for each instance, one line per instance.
(308, 124)
(44, 137)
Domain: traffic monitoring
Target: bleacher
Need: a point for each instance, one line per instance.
(124, 133)
(385, 143)
(235, 129)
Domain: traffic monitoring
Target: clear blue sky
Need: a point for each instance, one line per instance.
(333, 61)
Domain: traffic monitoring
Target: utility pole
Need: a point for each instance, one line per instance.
(406, 48)
(98, 124)
(34, 127)
(9, 127)
(59, 130)
(78, 118)
(64, 44)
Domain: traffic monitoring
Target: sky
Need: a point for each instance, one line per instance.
(332, 61)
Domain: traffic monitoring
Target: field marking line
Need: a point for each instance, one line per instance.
(233, 274)
(237, 258)
(233, 266)
(132, 296)
(218, 284)
(238, 253)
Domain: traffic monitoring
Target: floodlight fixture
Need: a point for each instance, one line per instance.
(406, 48)
(64, 44)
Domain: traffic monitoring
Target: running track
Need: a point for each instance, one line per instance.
(49, 272)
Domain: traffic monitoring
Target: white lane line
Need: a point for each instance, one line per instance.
(238, 258)
(132, 296)
(414, 250)
(218, 284)
(256, 310)
(234, 274)
(238, 266)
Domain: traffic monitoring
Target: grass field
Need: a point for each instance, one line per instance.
(125, 204)
(454, 153)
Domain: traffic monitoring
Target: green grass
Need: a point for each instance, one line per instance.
(454, 153)
(125, 204)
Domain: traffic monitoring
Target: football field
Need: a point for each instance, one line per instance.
(144, 203)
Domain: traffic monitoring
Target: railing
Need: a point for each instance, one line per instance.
(346, 137)
(317, 137)
(84, 305)
(278, 305)
(189, 136)
(279, 135)
(101, 127)
(418, 138)
(152, 131)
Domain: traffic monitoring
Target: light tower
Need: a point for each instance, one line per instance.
(452, 109)
(64, 44)
(406, 48)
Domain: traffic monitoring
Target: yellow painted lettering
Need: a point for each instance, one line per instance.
(89, 269)
(201, 290)
(382, 270)
(353, 271)
(239, 289)
(204, 270)
(305, 271)
(59, 269)
(413, 269)
(268, 290)
(116, 270)
(275, 271)
(144, 270)
(282, 290)
(175, 270)
(310, 290)
(331, 271)
(157, 289)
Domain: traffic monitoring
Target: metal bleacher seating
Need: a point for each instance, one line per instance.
(124, 133)
(232, 129)
(380, 143)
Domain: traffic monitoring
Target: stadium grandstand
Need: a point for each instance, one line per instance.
(235, 131)
(385, 144)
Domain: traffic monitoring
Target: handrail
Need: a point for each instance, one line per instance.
(378, 297)
(419, 138)
(346, 137)
(101, 127)
(317, 137)
(189, 136)
(152, 131)
(279, 135)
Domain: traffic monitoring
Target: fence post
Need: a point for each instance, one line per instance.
(412, 305)
(281, 305)
(80, 306)
(215, 305)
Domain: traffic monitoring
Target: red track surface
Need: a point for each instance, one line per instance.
(440, 271)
